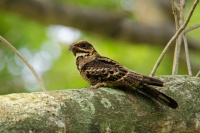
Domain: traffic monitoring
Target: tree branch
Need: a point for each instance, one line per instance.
(178, 32)
(187, 55)
(103, 110)
(179, 20)
(193, 27)
(25, 61)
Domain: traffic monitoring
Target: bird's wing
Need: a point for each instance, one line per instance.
(131, 75)
(104, 70)
(151, 81)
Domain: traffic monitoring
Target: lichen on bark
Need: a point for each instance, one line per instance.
(103, 110)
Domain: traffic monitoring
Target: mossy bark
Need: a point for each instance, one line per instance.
(103, 110)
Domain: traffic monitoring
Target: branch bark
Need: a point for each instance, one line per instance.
(111, 24)
(103, 110)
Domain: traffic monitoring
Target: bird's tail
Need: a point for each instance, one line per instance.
(159, 96)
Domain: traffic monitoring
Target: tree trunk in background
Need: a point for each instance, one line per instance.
(103, 110)
(107, 23)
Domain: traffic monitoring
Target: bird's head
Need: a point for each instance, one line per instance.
(82, 48)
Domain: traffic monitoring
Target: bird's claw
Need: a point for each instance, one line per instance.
(96, 86)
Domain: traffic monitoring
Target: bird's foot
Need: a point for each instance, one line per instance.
(96, 86)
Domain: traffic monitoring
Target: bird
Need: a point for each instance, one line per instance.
(101, 71)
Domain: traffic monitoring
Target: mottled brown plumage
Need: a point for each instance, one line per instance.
(102, 71)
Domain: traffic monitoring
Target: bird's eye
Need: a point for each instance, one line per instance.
(84, 45)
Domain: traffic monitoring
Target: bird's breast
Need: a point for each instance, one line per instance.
(82, 60)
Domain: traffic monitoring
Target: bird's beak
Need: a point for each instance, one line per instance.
(70, 47)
